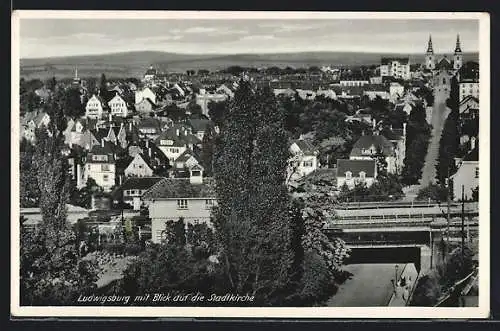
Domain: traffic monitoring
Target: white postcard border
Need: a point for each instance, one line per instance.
(317, 312)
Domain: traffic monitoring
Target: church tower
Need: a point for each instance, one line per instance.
(457, 57)
(430, 60)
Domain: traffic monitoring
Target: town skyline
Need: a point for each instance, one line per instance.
(47, 38)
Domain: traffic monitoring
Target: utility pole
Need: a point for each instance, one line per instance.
(463, 221)
(448, 209)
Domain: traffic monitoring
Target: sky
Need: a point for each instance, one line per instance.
(65, 37)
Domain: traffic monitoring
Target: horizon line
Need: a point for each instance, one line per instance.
(230, 54)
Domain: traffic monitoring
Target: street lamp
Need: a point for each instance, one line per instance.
(396, 274)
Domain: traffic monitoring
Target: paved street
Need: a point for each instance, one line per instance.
(370, 286)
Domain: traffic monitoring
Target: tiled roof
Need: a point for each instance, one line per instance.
(149, 122)
(178, 188)
(141, 183)
(378, 141)
(199, 124)
(186, 155)
(468, 98)
(99, 150)
(306, 146)
(356, 166)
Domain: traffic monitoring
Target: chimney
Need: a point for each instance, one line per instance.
(374, 123)
(130, 126)
(102, 142)
(110, 116)
(149, 152)
(404, 129)
(177, 132)
(147, 143)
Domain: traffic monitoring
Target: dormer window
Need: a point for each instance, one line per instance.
(348, 175)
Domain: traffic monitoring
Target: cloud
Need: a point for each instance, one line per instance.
(218, 30)
(159, 38)
(258, 37)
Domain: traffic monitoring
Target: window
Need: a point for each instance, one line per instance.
(99, 157)
(308, 163)
(105, 178)
(362, 175)
(348, 175)
(104, 167)
(160, 235)
(195, 173)
(209, 203)
(477, 172)
(182, 204)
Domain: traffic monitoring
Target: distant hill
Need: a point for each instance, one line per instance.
(133, 64)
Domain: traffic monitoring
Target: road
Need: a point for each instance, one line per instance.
(369, 286)
(439, 114)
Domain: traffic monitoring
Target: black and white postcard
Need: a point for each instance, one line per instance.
(250, 164)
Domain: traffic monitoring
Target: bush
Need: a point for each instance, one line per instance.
(132, 249)
(434, 192)
(427, 291)
(114, 248)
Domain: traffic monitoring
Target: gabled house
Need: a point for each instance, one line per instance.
(467, 175)
(186, 160)
(78, 134)
(117, 135)
(149, 127)
(132, 189)
(147, 159)
(138, 167)
(145, 106)
(32, 121)
(200, 126)
(352, 172)
(303, 161)
(145, 93)
(95, 107)
(100, 165)
(469, 107)
(175, 140)
(229, 91)
(118, 106)
(368, 147)
(172, 198)
(396, 91)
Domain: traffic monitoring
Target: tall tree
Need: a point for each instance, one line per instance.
(73, 106)
(207, 150)
(252, 222)
(103, 85)
(450, 137)
(51, 271)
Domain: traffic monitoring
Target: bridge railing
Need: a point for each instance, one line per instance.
(404, 216)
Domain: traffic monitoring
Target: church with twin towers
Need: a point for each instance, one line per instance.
(431, 62)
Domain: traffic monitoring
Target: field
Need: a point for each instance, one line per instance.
(133, 64)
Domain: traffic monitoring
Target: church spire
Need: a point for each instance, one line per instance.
(76, 72)
(429, 46)
(457, 48)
